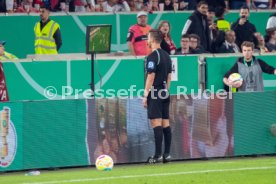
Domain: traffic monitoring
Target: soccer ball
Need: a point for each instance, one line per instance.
(234, 77)
(104, 163)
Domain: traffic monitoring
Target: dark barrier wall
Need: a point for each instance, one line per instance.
(43, 134)
(199, 129)
(21, 41)
(216, 68)
(46, 134)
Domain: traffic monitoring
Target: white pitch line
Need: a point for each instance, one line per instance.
(153, 175)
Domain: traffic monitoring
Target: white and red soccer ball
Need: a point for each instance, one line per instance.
(104, 163)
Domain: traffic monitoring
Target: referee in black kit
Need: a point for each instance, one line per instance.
(156, 95)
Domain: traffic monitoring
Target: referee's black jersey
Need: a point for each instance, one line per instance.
(160, 63)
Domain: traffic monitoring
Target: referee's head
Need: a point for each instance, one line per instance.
(155, 37)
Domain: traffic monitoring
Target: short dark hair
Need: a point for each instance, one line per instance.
(219, 11)
(248, 44)
(185, 36)
(195, 36)
(156, 35)
(201, 3)
(211, 9)
(245, 7)
(45, 7)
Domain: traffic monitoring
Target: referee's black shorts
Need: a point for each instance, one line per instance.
(158, 105)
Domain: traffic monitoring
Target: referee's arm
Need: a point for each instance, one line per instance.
(169, 81)
(149, 83)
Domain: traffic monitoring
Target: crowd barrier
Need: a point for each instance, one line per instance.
(122, 76)
(18, 30)
(69, 133)
(55, 80)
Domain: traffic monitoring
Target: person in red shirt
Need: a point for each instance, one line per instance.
(137, 36)
(27, 7)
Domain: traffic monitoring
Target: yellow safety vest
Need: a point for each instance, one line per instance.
(7, 56)
(44, 40)
(223, 25)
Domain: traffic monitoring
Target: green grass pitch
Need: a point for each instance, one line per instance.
(223, 171)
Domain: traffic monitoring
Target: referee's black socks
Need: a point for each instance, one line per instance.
(158, 136)
(167, 138)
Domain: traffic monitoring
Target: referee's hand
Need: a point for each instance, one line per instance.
(145, 102)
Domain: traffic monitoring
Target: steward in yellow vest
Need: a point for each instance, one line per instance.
(5, 55)
(47, 34)
(222, 24)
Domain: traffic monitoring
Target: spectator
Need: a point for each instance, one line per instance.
(229, 45)
(243, 28)
(116, 6)
(43, 3)
(9, 6)
(167, 43)
(222, 24)
(198, 24)
(261, 48)
(3, 6)
(139, 5)
(262, 4)
(168, 5)
(210, 20)
(183, 5)
(273, 4)
(216, 3)
(5, 55)
(26, 7)
(137, 36)
(83, 5)
(56, 5)
(270, 39)
(131, 4)
(191, 4)
(216, 36)
(195, 47)
(271, 22)
(47, 34)
(251, 69)
(237, 4)
(153, 5)
(185, 45)
(99, 7)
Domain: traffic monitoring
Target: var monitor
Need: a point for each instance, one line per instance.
(98, 38)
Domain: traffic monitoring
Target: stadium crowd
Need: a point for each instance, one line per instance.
(205, 31)
(21, 6)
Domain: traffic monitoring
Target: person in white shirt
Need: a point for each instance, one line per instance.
(116, 6)
(262, 4)
(271, 22)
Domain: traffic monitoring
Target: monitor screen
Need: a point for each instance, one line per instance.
(98, 38)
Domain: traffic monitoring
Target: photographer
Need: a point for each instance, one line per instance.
(243, 28)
